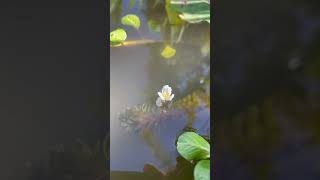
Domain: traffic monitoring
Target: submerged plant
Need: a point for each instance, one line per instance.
(144, 116)
(138, 117)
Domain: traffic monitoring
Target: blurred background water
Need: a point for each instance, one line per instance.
(267, 89)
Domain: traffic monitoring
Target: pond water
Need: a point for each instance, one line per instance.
(139, 71)
(267, 90)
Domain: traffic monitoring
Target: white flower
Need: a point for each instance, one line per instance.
(166, 93)
(159, 102)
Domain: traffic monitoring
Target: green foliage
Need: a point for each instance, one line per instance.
(192, 11)
(114, 4)
(117, 36)
(131, 20)
(172, 14)
(116, 10)
(191, 146)
(202, 170)
(132, 118)
(195, 18)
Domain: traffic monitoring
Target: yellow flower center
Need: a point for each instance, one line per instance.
(166, 95)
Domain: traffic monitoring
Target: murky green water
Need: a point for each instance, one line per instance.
(144, 134)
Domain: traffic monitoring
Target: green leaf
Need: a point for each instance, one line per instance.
(192, 11)
(131, 20)
(168, 52)
(202, 170)
(117, 36)
(191, 146)
(195, 18)
(173, 16)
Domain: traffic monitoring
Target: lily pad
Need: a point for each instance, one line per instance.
(192, 146)
(131, 20)
(202, 170)
(117, 36)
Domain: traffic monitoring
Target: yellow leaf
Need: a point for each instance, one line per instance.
(168, 52)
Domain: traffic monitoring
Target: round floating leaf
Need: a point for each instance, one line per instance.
(191, 146)
(168, 52)
(202, 170)
(117, 36)
(131, 20)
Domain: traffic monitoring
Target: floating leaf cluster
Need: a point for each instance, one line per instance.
(118, 36)
(193, 147)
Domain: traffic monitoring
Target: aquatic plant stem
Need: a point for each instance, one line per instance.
(135, 43)
(165, 21)
(113, 6)
(180, 34)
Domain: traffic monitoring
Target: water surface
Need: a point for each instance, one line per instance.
(139, 72)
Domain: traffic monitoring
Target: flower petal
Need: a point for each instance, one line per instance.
(171, 97)
(164, 88)
(160, 95)
(159, 102)
(167, 89)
